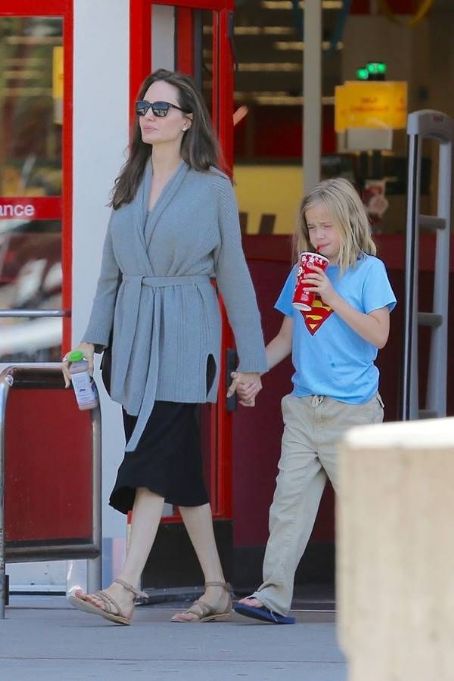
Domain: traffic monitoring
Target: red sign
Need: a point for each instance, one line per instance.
(28, 208)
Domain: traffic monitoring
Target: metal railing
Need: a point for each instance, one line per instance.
(36, 376)
(22, 312)
(439, 127)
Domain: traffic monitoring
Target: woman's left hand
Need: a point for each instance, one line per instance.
(247, 385)
(318, 282)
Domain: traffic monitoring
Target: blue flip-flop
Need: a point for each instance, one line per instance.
(263, 614)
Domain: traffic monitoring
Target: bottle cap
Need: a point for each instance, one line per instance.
(75, 356)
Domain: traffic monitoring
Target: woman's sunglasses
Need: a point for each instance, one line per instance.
(159, 109)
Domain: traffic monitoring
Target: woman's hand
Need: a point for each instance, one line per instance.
(318, 282)
(247, 385)
(89, 351)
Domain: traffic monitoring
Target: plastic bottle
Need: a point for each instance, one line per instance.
(84, 387)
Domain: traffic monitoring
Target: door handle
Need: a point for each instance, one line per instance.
(231, 363)
(231, 36)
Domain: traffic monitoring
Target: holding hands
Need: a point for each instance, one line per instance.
(246, 385)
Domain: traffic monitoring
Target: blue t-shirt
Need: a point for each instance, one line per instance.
(328, 356)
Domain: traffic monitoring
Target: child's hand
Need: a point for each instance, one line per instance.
(246, 385)
(319, 283)
(244, 397)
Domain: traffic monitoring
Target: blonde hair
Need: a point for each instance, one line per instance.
(349, 218)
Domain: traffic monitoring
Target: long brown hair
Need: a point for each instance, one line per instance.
(349, 218)
(199, 146)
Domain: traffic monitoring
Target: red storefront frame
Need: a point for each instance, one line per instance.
(222, 116)
(140, 57)
(38, 525)
(57, 206)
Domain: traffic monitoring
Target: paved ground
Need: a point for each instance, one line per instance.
(44, 639)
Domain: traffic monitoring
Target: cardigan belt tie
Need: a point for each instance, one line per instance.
(123, 347)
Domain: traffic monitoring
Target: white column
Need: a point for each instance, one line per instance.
(395, 551)
(101, 97)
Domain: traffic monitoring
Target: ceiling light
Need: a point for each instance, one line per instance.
(258, 93)
(258, 67)
(274, 99)
(11, 62)
(288, 4)
(298, 45)
(32, 40)
(26, 91)
(22, 74)
(264, 30)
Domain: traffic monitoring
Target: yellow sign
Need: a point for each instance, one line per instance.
(57, 73)
(58, 84)
(373, 104)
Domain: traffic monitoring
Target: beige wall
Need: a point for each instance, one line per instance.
(269, 190)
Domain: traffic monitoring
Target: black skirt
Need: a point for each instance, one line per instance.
(167, 460)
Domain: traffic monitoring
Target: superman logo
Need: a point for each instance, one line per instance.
(318, 314)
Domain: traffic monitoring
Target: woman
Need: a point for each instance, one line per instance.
(174, 227)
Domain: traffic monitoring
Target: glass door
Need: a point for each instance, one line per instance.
(193, 36)
(35, 176)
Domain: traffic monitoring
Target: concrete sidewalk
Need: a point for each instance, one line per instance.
(45, 639)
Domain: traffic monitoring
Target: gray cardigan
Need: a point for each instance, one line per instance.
(155, 288)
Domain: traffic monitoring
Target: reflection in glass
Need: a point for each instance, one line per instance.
(30, 279)
(30, 134)
(31, 88)
(203, 34)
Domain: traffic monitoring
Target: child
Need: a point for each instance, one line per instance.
(335, 384)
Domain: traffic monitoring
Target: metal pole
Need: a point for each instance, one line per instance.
(3, 395)
(94, 565)
(431, 125)
(312, 93)
(94, 574)
(438, 358)
(410, 354)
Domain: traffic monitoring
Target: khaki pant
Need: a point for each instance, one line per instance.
(312, 427)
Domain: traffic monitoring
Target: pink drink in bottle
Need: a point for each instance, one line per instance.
(84, 387)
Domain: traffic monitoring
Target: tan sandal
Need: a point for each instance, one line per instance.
(204, 612)
(109, 608)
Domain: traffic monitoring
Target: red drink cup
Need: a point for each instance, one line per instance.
(302, 298)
